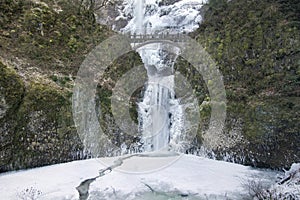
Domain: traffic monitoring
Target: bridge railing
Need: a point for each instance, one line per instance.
(140, 38)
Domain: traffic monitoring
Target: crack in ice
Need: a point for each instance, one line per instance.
(83, 188)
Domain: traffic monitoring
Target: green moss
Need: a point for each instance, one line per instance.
(104, 92)
(40, 96)
(45, 133)
(257, 52)
(258, 55)
(11, 86)
(39, 127)
(11, 94)
(45, 36)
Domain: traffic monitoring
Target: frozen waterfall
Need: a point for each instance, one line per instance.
(161, 117)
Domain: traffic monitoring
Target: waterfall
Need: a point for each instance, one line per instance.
(160, 115)
(139, 13)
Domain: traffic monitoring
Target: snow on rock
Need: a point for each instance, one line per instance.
(184, 15)
(293, 173)
(187, 176)
(289, 186)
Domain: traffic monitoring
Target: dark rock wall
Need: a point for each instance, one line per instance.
(256, 46)
(255, 43)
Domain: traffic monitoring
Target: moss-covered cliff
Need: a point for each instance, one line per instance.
(256, 45)
(42, 44)
(11, 95)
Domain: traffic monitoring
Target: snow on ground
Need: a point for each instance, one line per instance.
(184, 175)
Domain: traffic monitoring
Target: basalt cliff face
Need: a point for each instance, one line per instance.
(42, 47)
(255, 44)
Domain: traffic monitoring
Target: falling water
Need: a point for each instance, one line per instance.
(139, 13)
(161, 118)
(154, 112)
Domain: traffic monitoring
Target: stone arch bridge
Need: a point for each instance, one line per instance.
(139, 40)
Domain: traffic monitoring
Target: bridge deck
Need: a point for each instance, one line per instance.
(142, 38)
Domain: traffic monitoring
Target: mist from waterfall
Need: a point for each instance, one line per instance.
(160, 115)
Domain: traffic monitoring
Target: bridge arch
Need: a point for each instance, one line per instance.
(139, 45)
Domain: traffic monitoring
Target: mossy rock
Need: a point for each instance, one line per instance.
(258, 56)
(52, 36)
(272, 128)
(11, 88)
(45, 133)
(11, 93)
(40, 129)
(103, 100)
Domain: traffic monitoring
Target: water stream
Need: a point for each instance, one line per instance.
(161, 117)
(160, 114)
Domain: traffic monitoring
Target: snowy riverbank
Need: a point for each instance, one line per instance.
(188, 175)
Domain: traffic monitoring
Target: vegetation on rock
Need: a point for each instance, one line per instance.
(255, 43)
(45, 42)
(256, 46)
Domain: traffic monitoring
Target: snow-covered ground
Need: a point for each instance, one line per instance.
(173, 177)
